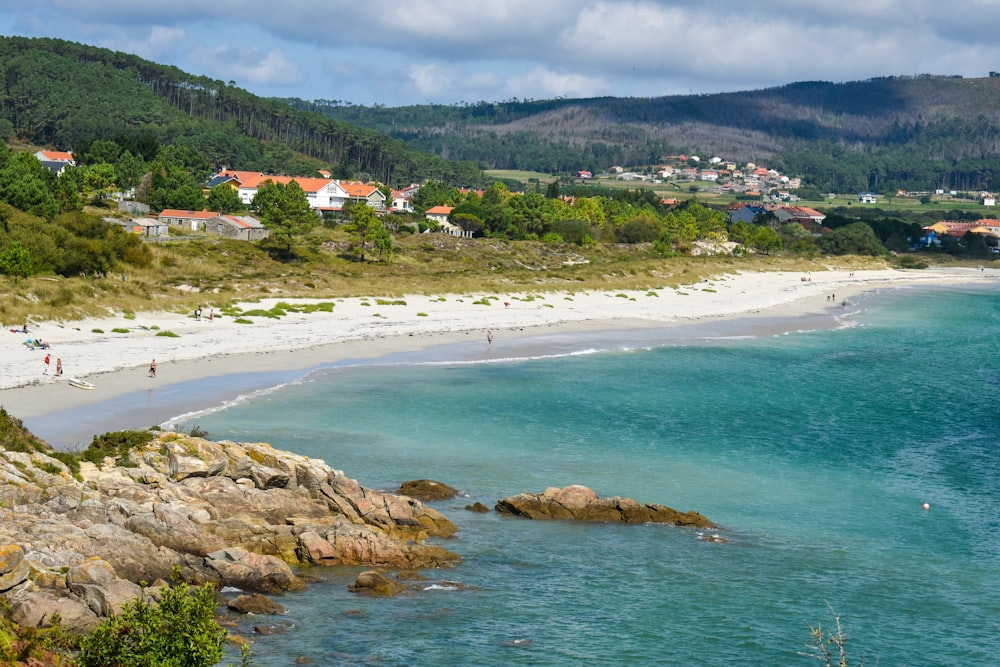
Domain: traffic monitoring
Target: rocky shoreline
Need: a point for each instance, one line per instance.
(76, 547)
(233, 514)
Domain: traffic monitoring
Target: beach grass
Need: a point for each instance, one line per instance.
(216, 273)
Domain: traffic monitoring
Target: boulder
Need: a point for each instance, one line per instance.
(478, 508)
(255, 604)
(427, 490)
(242, 569)
(40, 609)
(376, 584)
(579, 503)
(14, 569)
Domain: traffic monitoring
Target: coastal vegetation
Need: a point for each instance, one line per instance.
(179, 630)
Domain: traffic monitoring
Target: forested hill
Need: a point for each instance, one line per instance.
(64, 94)
(912, 132)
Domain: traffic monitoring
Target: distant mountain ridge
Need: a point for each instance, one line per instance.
(880, 130)
(64, 94)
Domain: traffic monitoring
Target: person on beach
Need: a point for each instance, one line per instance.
(489, 337)
(211, 315)
(58, 366)
(47, 360)
(152, 369)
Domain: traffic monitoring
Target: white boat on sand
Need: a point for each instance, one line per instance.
(81, 384)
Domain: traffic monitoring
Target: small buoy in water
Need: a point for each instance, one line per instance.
(927, 506)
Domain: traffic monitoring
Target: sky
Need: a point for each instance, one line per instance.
(466, 51)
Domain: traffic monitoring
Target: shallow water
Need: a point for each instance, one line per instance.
(815, 450)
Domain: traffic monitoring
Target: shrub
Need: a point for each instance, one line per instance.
(242, 320)
(97, 331)
(119, 330)
(16, 438)
(116, 444)
(179, 632)
(168, 334)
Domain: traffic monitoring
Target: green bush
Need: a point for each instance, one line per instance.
(168, 334)
(179, 632)
(15, 438)
(116, 444)
(119, 330)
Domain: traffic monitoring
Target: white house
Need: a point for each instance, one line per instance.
(439, 214)
(323, 194)
(55, 161)
(400, 202)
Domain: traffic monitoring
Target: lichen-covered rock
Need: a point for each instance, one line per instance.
(38, 609)
(580, 503)
(14, 569)
(228, 513)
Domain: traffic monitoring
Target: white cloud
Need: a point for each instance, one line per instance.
(449, 50)
(160, 42)
(542, 83)
(249, 65)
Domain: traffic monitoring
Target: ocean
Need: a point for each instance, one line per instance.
(814, 443)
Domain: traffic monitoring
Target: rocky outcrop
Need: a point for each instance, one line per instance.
(427, 490)
(255, 604)
(234, 514)
(581, 504)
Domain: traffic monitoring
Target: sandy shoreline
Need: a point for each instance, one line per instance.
(269, 351)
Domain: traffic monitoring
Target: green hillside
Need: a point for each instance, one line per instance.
(66, 95)
(914, 133)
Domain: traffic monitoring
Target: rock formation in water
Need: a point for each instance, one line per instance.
(581, 504)
(234, 514)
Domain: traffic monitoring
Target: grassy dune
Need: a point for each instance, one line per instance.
(213, 272)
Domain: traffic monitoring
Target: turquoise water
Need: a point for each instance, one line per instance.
(815, 450)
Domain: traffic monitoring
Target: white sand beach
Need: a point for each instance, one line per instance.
(357, 328)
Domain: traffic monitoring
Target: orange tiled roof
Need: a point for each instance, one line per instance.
(57, 156)
(251, 179)
(358, 189)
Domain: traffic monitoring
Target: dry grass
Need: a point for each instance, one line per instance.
(213, 272)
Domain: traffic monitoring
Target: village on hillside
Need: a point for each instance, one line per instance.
(765, 196)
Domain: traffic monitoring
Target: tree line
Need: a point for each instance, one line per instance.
(54, 92)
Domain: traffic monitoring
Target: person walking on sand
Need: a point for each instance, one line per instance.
(152, 369)
(489, 337)
(48, 359)
(58, 366)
